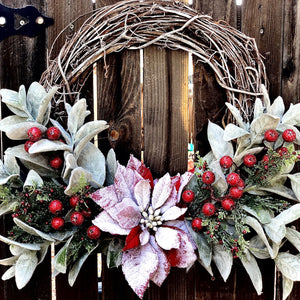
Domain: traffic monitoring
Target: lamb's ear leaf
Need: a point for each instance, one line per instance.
(277, 108)
(25, 267)
(293, 237)
(19, 131)
(287, 287)
(111, 167)
(10, 273)
(21, 245)
(223, 260)
(266, 98)
(289, 265)
(233, 132)
(258, 248)
(63, 132)
(8, 261)
(258, 108)
(60, 259)
(236, 114)
(45, 145)
(35, 96)
(292, 116)
(76, 116)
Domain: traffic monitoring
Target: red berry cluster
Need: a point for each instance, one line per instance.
(35, 134)
(288, 135)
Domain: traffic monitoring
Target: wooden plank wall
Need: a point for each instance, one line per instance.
(163, 138)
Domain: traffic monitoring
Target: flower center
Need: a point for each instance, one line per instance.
(151, 218)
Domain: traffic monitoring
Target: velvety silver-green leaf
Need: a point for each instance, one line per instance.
(15, 101)
(11, 165)
(4, 179)
(10, 273)
(63, 235)
(294, 237)
(33, 179)
(208, 269)
(25, 267)
(258, 108)
(43, 252)
(19, 131)
(204, 248)
(280, 190)
(22, 245)
(7, 207)
(277, 108)
(218, 146)
(238, 159)
(289, 215)
(263, 215)
(114, 253)
(92, 160)
(69, 166)
(266, 98)
(35, 96)
(44, 106)
(8, 122)
(292, 116)
(223, 260)
(236, 114)
(220, 181)
(258, 248)
(63, 132)
(289, 265)
(78, 175)
(253, 223)
(276, 230)
(32, 230)
(287, 286)
(17, 250)
(295, 182)
(76, 116)
(260, 125)
(111, 166)
(60, 259)
(253, 271)
(8, 261)
(232, 132)
(37, 162)
(45, 145)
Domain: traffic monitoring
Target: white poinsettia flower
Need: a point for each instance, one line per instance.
(148, 214)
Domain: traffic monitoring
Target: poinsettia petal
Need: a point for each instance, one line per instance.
(144, 237)
(184, 256)
(171, 201)
(126, 213)
(105, 197)
(138, 266)
(142, 194)
(162, 191)
(164, 266)
(106, 223)
(167, 238)
(173, 213)
(133, 238)
(184, 180)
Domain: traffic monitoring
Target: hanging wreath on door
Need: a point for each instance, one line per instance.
(235, 204)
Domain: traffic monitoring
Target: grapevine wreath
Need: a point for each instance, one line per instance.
(236, 204)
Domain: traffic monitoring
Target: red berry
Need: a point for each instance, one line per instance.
(74, 200)
(55, 206)
(77, 218)
(289, 135)
(271, 135)
(282, 151)
(265, 159)
(57, 223)
(93, 232)
(228, 204)
(235, 192)
(249, 160)
(233, 179)
(27, 145)
(208, 209)
(208, 177)
(226, 162)
(188, 196)
(34, 134)
(197, 224)
(53, 133)
(56, 162)
(241, 183)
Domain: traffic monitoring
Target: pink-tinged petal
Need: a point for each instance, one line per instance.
(107, 224)
(126, 213)
(134, 163)
(173, 213)
(167, 238)
(184, 180)
(172, 201)
(144, 237)
(125, 181)
(184, 256)
(105, 197)
(176, 181)
(163, 266)
(162, 191)
(142, 193)
(138, 265)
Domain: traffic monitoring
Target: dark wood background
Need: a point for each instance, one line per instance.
(166, 121)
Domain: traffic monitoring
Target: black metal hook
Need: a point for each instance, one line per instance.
(26, 21)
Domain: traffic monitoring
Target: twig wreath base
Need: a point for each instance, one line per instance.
(232, 55)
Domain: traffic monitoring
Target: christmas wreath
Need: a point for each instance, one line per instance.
(236, 204)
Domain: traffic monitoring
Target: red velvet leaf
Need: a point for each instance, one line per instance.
(133, 238)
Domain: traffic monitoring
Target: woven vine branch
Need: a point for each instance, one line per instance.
(232, 55)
